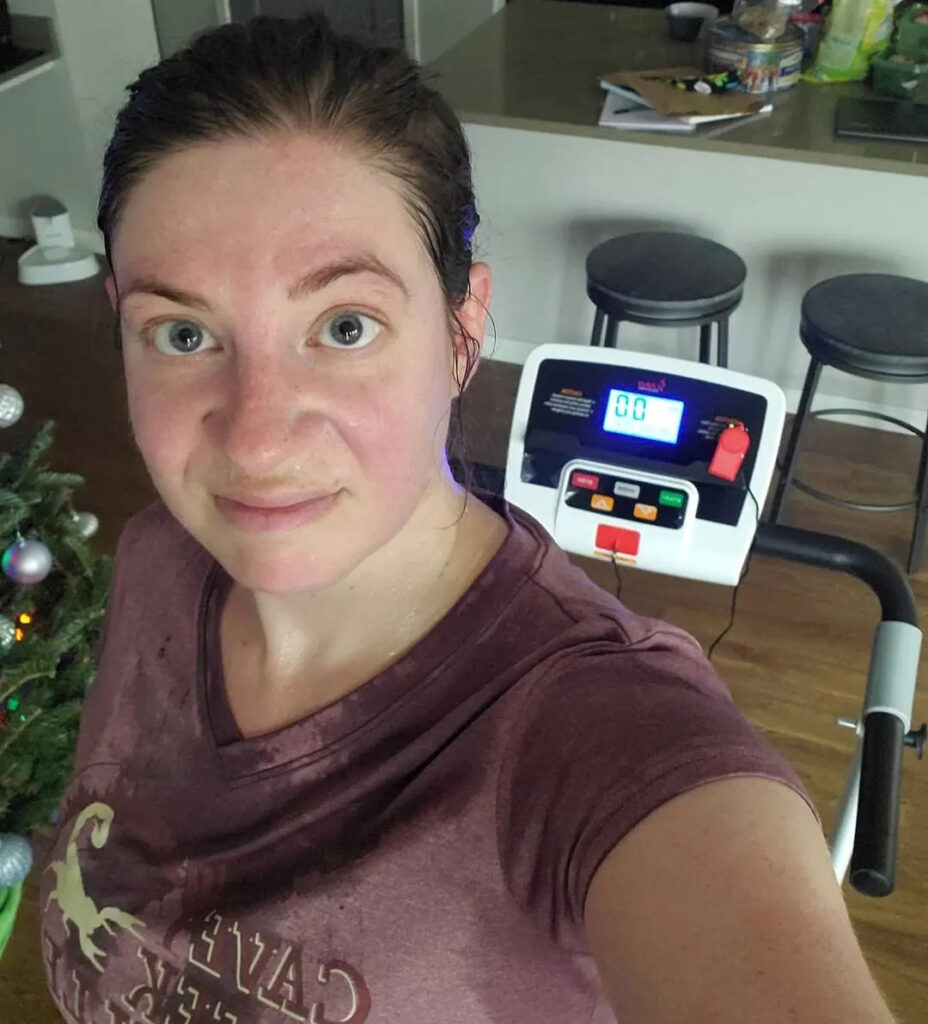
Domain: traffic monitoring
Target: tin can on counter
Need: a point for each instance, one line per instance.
(763, 67)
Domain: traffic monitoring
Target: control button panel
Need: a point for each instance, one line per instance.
(623, 497)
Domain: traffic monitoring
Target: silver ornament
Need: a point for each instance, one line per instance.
(15, 859)
(27, 561)
(87, 524)
(7, 633)
(11, 405)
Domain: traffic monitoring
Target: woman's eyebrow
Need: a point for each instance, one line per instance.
(315, 280)
(362, 263)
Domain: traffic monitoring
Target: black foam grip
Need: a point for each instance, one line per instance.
(873, 862)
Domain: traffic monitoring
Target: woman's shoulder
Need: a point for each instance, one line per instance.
(153, 525)
(584, 610)
(155, 548)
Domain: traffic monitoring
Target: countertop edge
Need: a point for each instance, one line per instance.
(695, 143)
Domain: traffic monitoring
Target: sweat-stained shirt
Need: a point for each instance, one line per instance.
(417, 852)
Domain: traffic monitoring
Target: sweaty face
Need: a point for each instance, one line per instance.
(285, 337)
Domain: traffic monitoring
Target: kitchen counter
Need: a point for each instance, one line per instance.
(796, 204)
(536, 65)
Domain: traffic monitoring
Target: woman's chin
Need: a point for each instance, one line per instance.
(286, 559)
(282, 571)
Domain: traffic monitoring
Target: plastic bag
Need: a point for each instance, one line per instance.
(763, 19)
(898, 75)
(855, 33)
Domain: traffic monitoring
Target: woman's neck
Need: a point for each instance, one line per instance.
(311, 648)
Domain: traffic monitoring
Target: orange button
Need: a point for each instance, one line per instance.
(585, 480)
(648, 512)
(617, 539)
(602, 502)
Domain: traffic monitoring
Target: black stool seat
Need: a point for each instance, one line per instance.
(660, 276)
(872, 325)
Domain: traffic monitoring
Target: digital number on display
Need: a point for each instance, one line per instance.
(646, 416)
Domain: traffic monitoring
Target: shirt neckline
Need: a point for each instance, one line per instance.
(328, 731)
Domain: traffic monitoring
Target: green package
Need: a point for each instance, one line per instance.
(912, 35)
(898, 76)
(855, 33)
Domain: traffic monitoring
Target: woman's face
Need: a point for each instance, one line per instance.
(285, 336)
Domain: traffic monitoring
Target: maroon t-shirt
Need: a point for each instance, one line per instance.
(417, 852)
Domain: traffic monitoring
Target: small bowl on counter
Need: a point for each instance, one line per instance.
(686, 20)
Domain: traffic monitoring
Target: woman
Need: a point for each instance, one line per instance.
(364, 746)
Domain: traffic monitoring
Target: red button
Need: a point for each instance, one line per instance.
(735, 440)
(614, 538)
(585, 480)
(730, 450)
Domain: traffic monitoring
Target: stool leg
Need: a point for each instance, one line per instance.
(596, 337)
(705, 343)
(917, 547)
(612, 330)
(792, 449)
(722, 337)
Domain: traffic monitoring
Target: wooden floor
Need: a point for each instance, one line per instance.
(795, 658)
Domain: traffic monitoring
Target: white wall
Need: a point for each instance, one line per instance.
(99, 73)
(43, 145)
(55, 127)
(59, 122)
(177, 22)
(793, 224)
(434, 26)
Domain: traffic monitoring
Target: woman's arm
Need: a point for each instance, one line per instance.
(722, 906)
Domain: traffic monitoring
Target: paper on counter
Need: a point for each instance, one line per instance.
(620, 112)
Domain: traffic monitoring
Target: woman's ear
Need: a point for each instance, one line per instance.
(110, 285)
(471, 323)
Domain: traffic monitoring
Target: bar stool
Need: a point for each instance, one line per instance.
(873, 326)
(665, 279)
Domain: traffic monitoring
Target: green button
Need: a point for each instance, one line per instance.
(672, 498)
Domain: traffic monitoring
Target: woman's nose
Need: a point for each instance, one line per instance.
(260, 417)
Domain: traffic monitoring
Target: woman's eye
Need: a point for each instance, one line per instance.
(349, 330)
(181, 338)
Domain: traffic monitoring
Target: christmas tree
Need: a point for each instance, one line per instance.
(52, 600)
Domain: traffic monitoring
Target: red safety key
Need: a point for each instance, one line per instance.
(730, 450)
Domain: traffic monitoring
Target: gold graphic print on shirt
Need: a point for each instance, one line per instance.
(73, 901)
(236, 971)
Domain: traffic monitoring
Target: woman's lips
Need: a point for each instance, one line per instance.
(260, 515)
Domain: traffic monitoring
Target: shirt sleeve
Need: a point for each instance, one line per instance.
(103, 695)
(95, 700)
(606, 736)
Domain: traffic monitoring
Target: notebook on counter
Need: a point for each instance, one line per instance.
(623, 110)
(897, 120)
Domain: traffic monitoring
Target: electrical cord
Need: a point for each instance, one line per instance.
(744, 571)
(618, 578)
